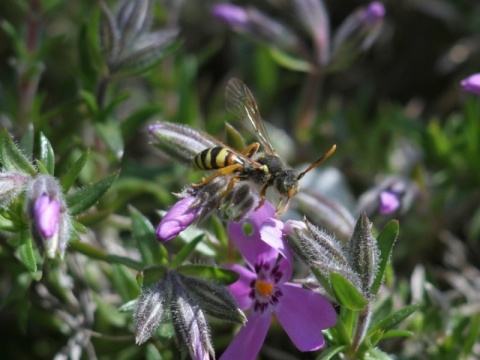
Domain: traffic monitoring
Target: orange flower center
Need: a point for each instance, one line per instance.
(264, 288)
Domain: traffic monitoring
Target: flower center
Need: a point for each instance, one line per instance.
(264, 288)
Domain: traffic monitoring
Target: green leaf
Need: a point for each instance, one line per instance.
(98, 254)
(152, 353)
(346, 293)
(124, 283)
(69, 178)
(26, 252)
(376, 354)
(89, 195)
(144, 234)
(11, 157)
(393, 319)
(151, 275)
(234, 138)
(223, 276)
(385, 240)
(290, 62)
(91, 102)
(183, 254)
(128, 306)
(397, 333)
(47, 155)
(42, 168)
(329, 353)
(110, 132)
(472, 335)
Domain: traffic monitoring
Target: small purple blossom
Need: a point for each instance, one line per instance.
(177, 219)
(389, 202)
(46, 213)
(373, 13)
(263, 288)
(472, 84)
(230, 14)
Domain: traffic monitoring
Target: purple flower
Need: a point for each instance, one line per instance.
(373, 13)
(472, 84)
(231, 14)
(177, 219)
(263, 288)
(389, 202)
(46, 213)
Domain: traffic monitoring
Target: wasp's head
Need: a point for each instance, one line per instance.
(287, 183)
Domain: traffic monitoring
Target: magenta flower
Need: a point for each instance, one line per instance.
(178, 218)
(46, 213)
(263, 288)
(389, 202)
(373, 13)
(472, 84)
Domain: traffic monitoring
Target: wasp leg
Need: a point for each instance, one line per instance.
(223, 171)
(263, 194)
(230, 185)
(280, 210)
(251, 149)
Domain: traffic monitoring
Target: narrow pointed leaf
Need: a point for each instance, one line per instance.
(385, 240)
(128, 306)
(151, 275)
(124, 283)
(69, 178)
(112, 136)
(331, 352)
(394, 319)
(11, 157)
(223, 276)
(89, 195)
(144, 234)
(397, 333)
(42, 168)
(346, 293)
(47, 156)
(26, 253)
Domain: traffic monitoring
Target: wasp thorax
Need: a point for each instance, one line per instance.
(287, 182)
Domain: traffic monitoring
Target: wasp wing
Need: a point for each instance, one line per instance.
(241, 103)
(183, 143)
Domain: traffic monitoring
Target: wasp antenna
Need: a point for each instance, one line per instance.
(323, 158)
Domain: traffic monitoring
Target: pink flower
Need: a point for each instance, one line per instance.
(472, 84)
(263, 288)
(177, 219)
(231, 14)
(373, 13)
(46, 216)
(389, 202)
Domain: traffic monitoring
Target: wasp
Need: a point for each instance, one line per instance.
(259, 162)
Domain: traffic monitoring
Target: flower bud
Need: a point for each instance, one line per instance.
(364, 253)
(50, 223)
(373, 13)
(471, 84)
(177, 219)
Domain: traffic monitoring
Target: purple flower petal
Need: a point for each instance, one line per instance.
(472, 84)
(231, 14)
(241, 288)
(389, 202)
(246, 236)
(304, 314)
(177, 219)
(46, 213)
(271, 232)
(248, 342)
(374, 13)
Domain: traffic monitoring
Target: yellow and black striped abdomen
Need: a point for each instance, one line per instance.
(215, 158)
